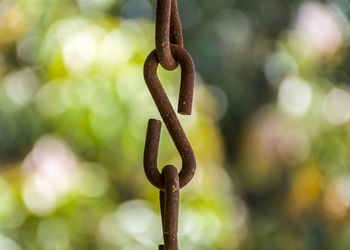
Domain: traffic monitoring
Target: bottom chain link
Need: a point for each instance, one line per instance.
(169, 207)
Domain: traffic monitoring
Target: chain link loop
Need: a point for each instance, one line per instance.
(168, 31)
(169, 207)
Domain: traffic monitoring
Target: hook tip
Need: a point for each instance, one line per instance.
(184, 107)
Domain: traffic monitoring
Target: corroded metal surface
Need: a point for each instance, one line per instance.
(169, 53)
(168, 31)
(169, 117)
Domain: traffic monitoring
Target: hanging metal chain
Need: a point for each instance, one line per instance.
(169, 53)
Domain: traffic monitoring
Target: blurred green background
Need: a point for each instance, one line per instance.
(270, 125)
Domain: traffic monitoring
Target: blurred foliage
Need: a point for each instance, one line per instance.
(74, 110)
(270, 125)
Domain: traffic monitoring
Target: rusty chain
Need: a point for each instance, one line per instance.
(169, 53)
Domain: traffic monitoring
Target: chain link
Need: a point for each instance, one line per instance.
(169, 53)
(168, 31)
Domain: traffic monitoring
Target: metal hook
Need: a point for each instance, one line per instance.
(169, 117)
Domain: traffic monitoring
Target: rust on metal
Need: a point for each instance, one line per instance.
(169, 117)
(168, 31)
(169, 205)
(169, 53)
